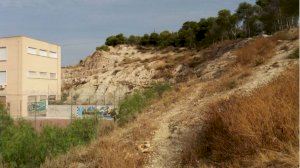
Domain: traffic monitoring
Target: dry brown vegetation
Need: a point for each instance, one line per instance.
(256, 51)
(260, 49)
(128, 60)
(118, 146)
(231, 78)
(259, 130)
(109, 151)
(292, 34)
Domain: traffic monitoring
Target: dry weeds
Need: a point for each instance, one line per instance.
(228, 80)
(292, 34)
(115, 150)
(256, 52)
(118, 148)
(128, 60)
(259, 130)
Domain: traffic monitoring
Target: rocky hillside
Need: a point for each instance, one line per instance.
(178, 130)
(108, 76)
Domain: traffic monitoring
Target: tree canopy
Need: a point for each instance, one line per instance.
(265, 16)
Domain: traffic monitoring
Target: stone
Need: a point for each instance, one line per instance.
(144, 147)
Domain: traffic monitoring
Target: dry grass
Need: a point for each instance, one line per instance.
(160, 65)
(260, 49)
(115, 150)
(256, 51)
(128, 60)
(259, 130)
(292, 34)
(233, 77)
(106, 127)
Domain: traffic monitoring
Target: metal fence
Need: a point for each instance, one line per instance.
(66, 107)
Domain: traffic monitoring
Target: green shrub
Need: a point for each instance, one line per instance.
(137, 101)
(103, 48)
(295, 54)
(81, 131)
(115, 40)
(53, 141)
(18, 146)
(5, 120)
(22, 146)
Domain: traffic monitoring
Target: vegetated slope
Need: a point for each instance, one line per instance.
(163, 135)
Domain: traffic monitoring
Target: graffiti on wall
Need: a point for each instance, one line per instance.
(102, 111)
(37, 106)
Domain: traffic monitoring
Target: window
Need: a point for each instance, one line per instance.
(31, 50)
(3, 53)
(52, 75)
(32, 74)
(53, 54)
(51, 97)
(43, 98)
(2, 77)
(43, 53)
(43, 75)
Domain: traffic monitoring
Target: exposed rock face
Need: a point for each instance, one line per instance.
(106, 77)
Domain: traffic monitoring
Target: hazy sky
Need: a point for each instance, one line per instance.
(81, 25)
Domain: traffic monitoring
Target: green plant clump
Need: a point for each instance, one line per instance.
(103, 48)
(295, 54)
(22, 146)
(136, 102)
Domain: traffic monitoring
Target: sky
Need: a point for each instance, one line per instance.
(79, 26)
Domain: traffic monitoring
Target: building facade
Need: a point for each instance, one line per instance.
(30, 72)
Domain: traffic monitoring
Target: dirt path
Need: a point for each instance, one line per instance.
(165, 147)
(167, 144)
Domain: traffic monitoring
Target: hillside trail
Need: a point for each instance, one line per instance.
(167, 146)
(168, 138)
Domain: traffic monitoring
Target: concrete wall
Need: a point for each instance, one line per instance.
(64, 111)
(60, 111)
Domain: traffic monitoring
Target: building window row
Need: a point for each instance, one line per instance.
(3, 54)
(41, 52)
(3, 78)
(42, 75)
(34, 98)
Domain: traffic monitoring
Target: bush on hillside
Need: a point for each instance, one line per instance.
(115, 40)
(81, 131)
(295, 54)
(103, 48)
(137, 101)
